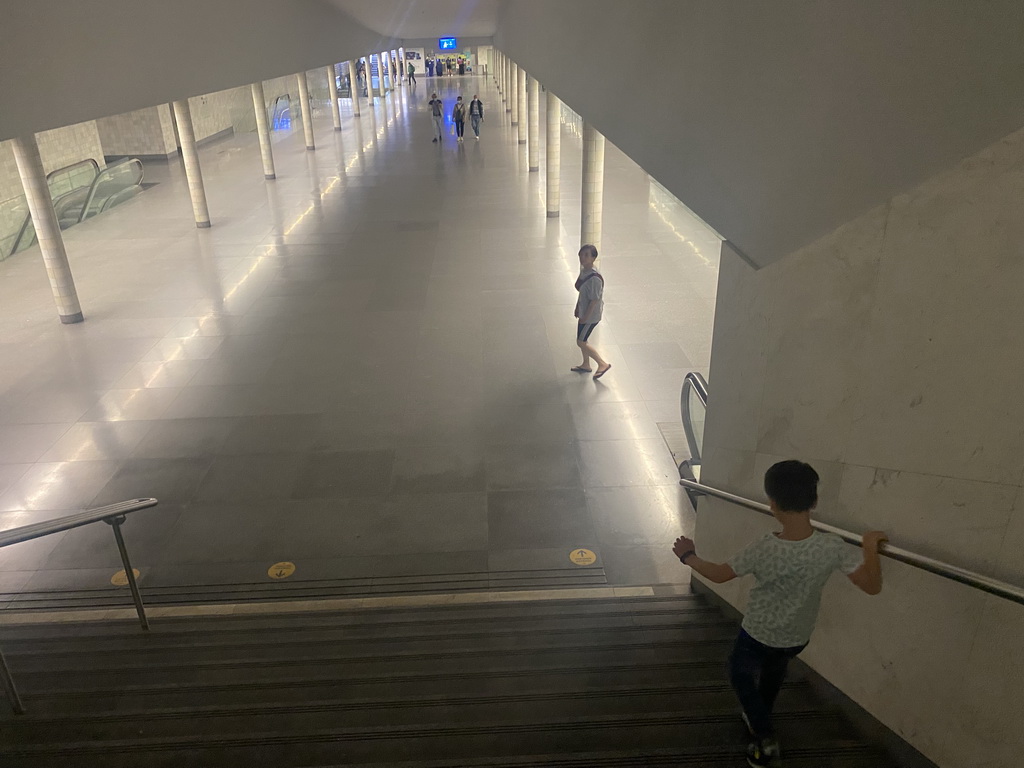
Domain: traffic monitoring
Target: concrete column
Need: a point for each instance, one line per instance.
(402, 63)
(381, 58)
(534, 112)
(332, 92)
(513, 92)
(524, 117)
(353, 87)
(44, 219)
(510, 88)
(369, 80)
(593, 186)
(554, 155)
(193, 172)
(259, 105)
(307, 112)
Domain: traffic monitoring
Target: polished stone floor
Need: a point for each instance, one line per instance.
(363, 367)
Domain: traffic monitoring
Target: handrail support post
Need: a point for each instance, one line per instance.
(115, 523)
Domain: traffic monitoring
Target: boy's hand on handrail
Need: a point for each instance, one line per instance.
(873, 540)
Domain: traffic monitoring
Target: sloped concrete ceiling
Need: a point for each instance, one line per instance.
(63, 62)
(412, 19)
(777, 122)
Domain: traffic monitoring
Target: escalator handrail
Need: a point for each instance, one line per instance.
(693, 381)
(96, 183)
(979, 581)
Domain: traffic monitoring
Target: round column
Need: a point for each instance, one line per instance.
(402, 63)
(534, 135)
(554, 155)
(381, 57)
(593, 186)
(332, 92)
(259, 106)
(513, 92)
(524, 116)
(44, 219)
(307, 112)
(193, 172)
(368, 61)
(353, 87)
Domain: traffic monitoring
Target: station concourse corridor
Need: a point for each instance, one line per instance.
(361, 368)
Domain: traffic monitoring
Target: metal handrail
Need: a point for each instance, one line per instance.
(992, 586)
(114, 516)
(695, 382)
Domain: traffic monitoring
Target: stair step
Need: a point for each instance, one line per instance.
(289, 643)
(180, 594)
(455, 742)
(830, 755)
(198, 634)
(446, 614)
(360, 713)
(493, 681)
(399, 662)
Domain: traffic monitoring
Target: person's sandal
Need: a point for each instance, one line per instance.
(580, 369)
(602, 372)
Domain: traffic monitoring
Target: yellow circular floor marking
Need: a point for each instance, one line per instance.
(120, 579)
(281, 570)
(583, 557)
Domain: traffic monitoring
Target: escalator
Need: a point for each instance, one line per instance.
(79, 192)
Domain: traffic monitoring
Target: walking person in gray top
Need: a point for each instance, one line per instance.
(588, 312)
(437, 114)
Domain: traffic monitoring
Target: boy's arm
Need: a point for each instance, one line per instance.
(869, 575)
(719, 573)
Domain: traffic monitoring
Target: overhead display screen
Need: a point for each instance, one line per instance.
(446, 43)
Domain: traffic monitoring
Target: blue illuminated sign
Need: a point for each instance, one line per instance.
(446, 44)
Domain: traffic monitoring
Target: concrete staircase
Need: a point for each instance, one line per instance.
(584, 681)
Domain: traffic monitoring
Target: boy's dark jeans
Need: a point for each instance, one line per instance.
(756, 672)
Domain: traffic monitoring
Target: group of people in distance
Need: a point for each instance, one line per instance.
(448, 66)
(460, 111)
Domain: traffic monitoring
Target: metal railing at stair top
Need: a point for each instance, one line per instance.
(695, 391)
(114, 516)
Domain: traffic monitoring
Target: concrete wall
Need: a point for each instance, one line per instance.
(888, 355)
(778, 122)
(175, 50)
(144, 132)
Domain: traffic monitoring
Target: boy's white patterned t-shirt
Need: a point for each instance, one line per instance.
(790, 577)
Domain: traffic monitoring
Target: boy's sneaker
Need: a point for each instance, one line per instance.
(763, 753)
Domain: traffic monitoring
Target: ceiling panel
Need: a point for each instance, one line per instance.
(425, 18)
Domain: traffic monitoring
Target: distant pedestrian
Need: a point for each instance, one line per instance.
(412, 73)
(430, 67)
(459, 117)
(462, 66)
(588, 312)
(439, 68)
(476, 115)
(437, 114)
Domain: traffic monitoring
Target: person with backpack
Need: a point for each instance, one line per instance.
(459, 118)
(411, 69)
(588, 312)
(476, 115)
(791, 568)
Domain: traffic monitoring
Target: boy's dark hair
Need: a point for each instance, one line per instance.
(589, 249)
(792, 485)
